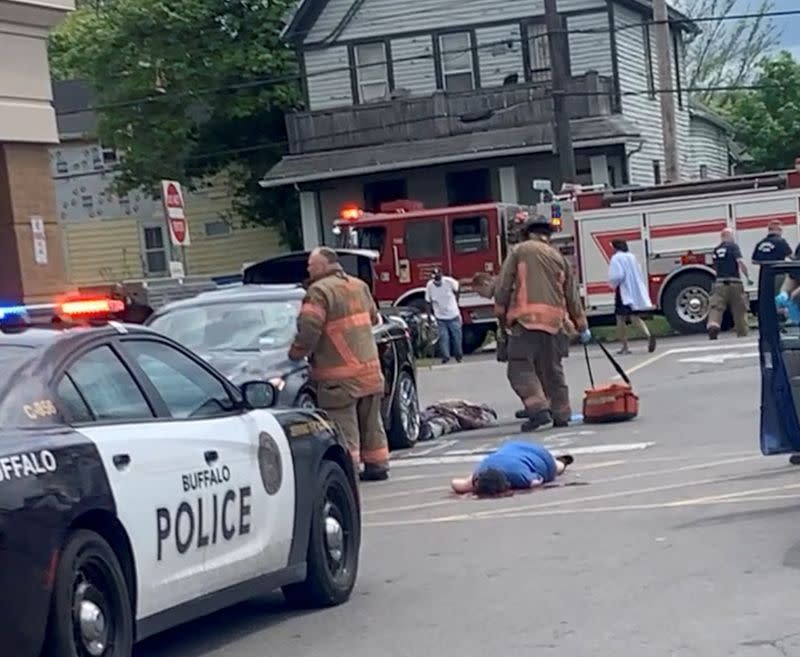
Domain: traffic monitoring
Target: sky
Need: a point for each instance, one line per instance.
(789, 25)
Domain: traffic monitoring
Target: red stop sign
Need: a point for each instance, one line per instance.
(178, 229)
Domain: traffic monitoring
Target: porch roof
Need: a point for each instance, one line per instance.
(537, 138)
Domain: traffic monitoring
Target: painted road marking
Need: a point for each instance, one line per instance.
(686, 350)
(367, 497)
(472, 457)
(600, 509)
(719, 359)
(439, 446)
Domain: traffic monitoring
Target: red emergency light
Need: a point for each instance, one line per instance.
(351, 213)
(90, 308)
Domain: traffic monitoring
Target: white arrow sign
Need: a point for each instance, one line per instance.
(719, 359)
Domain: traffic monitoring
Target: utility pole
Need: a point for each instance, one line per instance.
(560, 76)
(668, 122)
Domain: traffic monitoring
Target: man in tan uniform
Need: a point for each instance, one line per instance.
(534, 293)
(334, 328)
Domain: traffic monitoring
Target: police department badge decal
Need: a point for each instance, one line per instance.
(269, 463)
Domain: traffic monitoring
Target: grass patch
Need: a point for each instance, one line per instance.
(658, 326)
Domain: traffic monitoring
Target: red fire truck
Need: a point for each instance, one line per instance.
(672, 229)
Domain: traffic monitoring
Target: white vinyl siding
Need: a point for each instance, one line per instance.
(499, 54)
(328, 77)
(372, 71)
(641, 109)
(388, 18)
(457, 62)
(413, 64)
(709, 149)
(589, 51)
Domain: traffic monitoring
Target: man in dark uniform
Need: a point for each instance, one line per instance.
(728, 290)
(773, 248)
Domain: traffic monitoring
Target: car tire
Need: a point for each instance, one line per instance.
(335, 525)
(404, 418)
(89, 581)
(305, 399)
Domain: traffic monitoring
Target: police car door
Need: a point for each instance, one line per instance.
(779, 347)
(234, 499)
(144, 463)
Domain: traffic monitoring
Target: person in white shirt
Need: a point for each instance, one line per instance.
(441, 295)
(630, 294)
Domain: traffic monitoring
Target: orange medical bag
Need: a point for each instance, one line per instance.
(610, 402)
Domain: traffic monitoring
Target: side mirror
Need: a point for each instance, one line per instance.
(259, 394)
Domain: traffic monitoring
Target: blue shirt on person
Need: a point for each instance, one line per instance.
(522, 463)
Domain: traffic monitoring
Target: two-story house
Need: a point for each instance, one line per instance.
(108, 237)
(449, 102)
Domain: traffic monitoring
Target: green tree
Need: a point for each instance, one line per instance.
(187, 89)
(736, 35)
(767, 118)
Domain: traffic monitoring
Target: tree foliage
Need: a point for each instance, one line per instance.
(727, 51)
(767, 118)
(186, 89)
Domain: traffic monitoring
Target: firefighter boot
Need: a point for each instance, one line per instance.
(374, 472)
(537, 419)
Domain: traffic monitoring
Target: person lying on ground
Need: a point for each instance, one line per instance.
(516, 465)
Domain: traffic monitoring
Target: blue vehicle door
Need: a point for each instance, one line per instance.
(779, 347)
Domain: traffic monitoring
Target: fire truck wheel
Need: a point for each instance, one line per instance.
(685, 302)
(474, 337)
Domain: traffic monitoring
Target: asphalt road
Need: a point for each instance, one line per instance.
(671, 535)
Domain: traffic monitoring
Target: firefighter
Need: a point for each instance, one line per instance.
(773, 247)
(535, 291)
(334, 329)
(728, 290)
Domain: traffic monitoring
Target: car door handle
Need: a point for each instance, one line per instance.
(121, 461)
(211, 456)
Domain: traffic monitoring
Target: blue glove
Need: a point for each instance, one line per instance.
(586, 336)
(782, 300)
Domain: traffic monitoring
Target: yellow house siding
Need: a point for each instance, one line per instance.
(108, 250)
(223, 254)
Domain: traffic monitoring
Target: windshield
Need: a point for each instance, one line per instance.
(234, 326)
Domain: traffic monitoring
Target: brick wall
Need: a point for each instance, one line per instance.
(27, 190)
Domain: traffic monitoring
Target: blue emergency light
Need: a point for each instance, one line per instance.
(9, 312)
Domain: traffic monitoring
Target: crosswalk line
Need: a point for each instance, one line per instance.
(472, 457)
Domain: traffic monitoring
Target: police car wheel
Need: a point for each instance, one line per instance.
(334, 543)
(90, 611)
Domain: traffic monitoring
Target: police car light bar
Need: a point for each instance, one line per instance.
(91, 307)
(13, 311)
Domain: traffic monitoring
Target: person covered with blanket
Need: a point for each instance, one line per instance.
(516, 465)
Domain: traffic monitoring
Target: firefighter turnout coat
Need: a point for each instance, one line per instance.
(537, 290)
(334, 328)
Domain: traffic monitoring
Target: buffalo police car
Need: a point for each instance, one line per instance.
(139, 488)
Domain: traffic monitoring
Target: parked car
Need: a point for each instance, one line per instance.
(291, 268)
(245, 332)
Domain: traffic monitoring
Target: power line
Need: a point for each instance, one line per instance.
(282, 144)
(264, 82)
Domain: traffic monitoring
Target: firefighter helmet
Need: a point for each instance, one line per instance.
(537, 223)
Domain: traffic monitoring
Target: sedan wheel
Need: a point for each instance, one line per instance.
(405, 418)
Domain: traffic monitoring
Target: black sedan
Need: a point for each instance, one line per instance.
(245, 332)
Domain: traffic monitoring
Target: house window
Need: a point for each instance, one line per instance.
(458, 67)
(648, 61)
(109, 156)
(372, 72)
(383, 191)
(657, 172)
(677, 57)
(217, 228)
(465, 187)
(538, 52)
(155, 252)
(703, 172)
